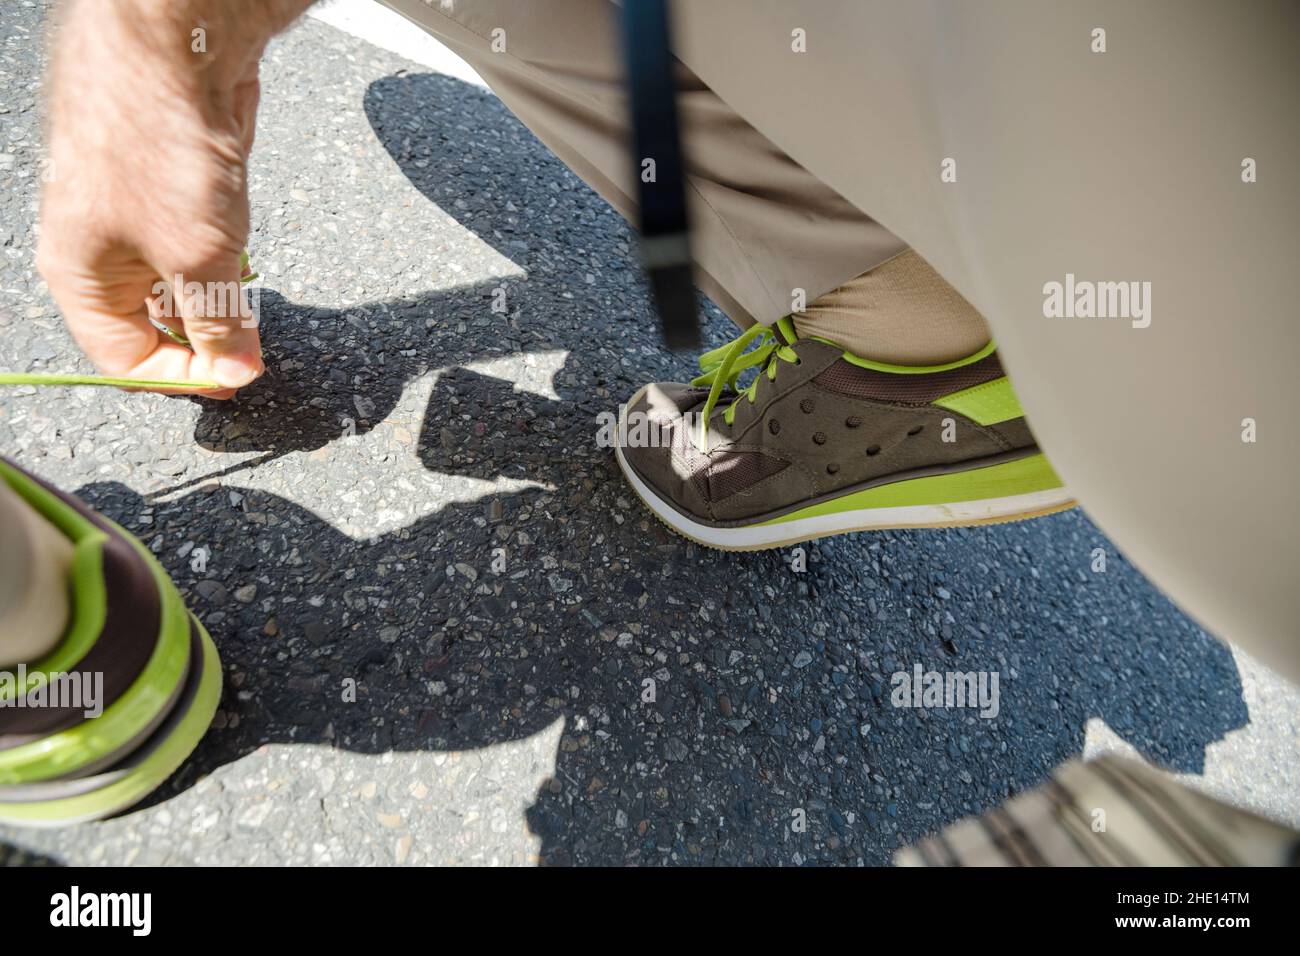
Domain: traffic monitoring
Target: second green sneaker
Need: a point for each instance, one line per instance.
(823, 442)
(122, 699)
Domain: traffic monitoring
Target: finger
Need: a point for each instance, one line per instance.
(175, 363)
(128, 346)
(219, 322)
(103, 304)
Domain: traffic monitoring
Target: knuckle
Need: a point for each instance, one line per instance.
(218, 333)
(201, 258)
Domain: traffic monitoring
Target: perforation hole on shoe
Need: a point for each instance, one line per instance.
(915, 431)
(774, 426)
(807, 406)
(819, 437)
(832, 468)
(853, 421)
(873, 450)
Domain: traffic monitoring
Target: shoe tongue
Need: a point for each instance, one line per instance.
(784, 330)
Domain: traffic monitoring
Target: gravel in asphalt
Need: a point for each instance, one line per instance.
(451, 634)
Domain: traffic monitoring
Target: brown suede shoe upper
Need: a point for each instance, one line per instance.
(823, 425)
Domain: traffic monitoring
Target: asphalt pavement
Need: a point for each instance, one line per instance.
(451, 634)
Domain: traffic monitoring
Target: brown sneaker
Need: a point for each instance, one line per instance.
(823, 442)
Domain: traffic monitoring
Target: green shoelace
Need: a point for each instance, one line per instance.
(38, 378)
(721, 367)
(56, 378)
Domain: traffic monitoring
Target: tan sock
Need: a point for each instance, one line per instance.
(901, 312)
(34, 594)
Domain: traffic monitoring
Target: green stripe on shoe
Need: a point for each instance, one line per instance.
(971, 359)
(1019, 477)
(146, 776)
(985, 404)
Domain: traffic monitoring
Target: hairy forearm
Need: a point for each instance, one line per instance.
(132, 58)
(211, 42)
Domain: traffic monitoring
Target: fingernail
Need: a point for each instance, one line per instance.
(235, 373)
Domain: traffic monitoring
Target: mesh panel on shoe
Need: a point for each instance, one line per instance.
(845, 378)
(724, 474)
(731, 472)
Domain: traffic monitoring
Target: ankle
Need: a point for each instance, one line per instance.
(902, 313)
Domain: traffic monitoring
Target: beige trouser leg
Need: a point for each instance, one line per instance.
(763, 227)
(34, 562)
(902, 312)
(1116, 166)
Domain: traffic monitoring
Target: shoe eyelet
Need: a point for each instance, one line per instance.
(915, 431)
(774, 426)
(819, 438)
(832, 468)
(807, 406)
(873, 450)
(852, 421)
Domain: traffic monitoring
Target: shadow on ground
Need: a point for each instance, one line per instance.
(18, 856)
(772, 687)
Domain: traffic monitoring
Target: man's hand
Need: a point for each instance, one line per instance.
(152, 111)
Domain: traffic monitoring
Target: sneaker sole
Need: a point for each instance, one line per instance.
(141, 773)
(992, 494)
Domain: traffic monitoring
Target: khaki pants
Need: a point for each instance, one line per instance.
(1005, 147)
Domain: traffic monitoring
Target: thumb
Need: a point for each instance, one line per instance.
(220, 322)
